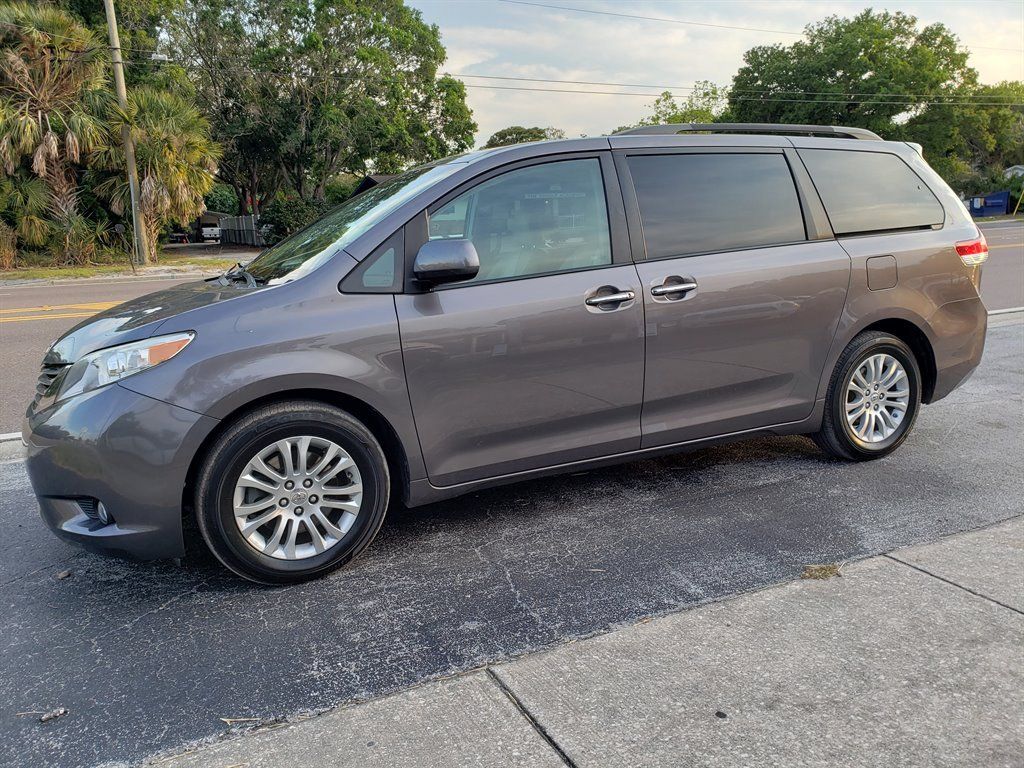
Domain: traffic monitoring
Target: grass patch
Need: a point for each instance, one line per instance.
(166, 262)
(823, 571)
(1004, 217)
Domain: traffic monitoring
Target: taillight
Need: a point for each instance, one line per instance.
(973, 252)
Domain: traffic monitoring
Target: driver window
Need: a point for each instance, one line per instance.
(535, 220)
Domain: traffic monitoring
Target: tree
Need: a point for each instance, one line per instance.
(50, 71)
(175, 154)
(706, 103)
(517, 134)
(301, 90)
(139, 23)
(865, 72)
(221, 198)
(970, 145)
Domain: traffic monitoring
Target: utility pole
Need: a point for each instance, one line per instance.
(129, 148)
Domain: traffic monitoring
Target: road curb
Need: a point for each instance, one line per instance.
(11, 447)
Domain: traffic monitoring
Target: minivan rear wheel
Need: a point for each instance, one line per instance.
(872, 400)
(292, 491)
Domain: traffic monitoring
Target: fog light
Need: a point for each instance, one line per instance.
(102, 514)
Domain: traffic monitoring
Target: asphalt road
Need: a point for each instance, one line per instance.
(147, 657)
(32, 316)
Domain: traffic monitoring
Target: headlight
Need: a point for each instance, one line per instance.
(116, 363)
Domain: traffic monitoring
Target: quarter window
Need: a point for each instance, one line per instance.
(535, 220)
(870, 191)
(707, 202)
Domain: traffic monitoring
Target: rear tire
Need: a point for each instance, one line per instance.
(316, 478)
(873, 398)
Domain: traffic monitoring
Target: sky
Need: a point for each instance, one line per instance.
(512, 39)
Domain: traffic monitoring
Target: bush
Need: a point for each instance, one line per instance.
(222, 199)
(287, 214)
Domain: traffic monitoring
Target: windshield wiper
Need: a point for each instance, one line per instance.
(239, 272)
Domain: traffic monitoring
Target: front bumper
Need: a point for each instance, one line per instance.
(130, 452)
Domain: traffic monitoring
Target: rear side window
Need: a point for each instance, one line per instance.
(706, 202)
(870, 191)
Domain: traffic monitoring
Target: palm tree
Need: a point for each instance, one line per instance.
(51, 68)
(24, 205)
(176, 158)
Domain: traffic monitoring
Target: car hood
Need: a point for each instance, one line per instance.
(138, 318)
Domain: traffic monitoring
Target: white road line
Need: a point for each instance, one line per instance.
(1005, 311)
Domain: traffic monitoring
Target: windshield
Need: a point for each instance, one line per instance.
(308, 248)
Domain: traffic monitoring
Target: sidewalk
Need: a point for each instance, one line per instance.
(914, 658)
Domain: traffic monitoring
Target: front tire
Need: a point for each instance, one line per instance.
(292, 491)
(873, 398)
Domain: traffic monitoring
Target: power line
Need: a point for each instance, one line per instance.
(694, 23)
(761, 96)
(732, 90)
(755, 98)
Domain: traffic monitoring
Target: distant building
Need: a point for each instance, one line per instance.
(1014, 171)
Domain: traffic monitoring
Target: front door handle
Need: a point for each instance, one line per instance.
(610, 298)
(671, 289)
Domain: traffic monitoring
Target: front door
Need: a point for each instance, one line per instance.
(537, 361)
(741, 306)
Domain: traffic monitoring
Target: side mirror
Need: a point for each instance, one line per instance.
(446, 261)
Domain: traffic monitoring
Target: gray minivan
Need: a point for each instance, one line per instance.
(509, 313)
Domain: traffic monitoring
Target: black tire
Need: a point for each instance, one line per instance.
(231, 452)
(836, 437)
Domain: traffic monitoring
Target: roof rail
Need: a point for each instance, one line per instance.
(831, 131)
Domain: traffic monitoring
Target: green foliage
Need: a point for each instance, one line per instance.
(879, 71)
(301, 90)
(706, 103)
(139, 23)
(50, 68)
(287, 214)
(851, 72)
(222, 198)
(517, 134)
(339, 189)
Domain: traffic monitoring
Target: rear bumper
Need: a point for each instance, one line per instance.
(126, 450)
(959, 332)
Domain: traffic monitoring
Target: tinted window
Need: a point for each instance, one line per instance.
(543, 218)
(870, 191)
(702, 203)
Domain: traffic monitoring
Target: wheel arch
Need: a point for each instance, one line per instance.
(379, 426)
(915, 338)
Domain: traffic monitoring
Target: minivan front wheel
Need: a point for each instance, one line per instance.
(292, 491)
(873, 398)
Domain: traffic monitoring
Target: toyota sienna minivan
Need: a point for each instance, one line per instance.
(509, 313)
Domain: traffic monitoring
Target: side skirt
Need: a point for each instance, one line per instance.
(423, 492)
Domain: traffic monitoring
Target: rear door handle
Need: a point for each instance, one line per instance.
(610, 298)
(670, 289)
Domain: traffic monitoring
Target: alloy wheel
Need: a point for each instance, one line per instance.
(877, 398)
(297, 497)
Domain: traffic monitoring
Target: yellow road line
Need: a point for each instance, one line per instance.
(1011, 245)
(96, 306)
(22, 318)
